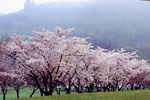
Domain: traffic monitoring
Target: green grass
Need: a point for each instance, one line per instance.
(24, 93)
(126, 95)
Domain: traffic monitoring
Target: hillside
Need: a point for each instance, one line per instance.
(110, 24)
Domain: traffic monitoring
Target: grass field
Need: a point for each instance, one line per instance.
(126, 95)
(24, 93)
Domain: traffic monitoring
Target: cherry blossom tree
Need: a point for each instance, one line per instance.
(116, 68)
(16, 82)
(4, 83)
(51, 59)
(8, 74)
(5, 67)
(43, 57)
(40, 57)
(75, 50)
(31, 84)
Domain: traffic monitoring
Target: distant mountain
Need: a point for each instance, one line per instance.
(109, 23)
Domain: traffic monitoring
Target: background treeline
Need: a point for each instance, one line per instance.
(110, 24)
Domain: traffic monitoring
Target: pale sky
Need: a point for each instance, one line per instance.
(10, 6)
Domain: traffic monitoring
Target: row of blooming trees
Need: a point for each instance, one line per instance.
(50, 60)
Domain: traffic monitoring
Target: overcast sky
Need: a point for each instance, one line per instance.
(9, 6)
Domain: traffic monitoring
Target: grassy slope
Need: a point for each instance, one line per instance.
(24, 93)
(127, 95)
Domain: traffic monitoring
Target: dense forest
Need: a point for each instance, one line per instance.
(109, 23)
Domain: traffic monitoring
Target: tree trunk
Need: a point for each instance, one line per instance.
(41, 92)
(105, 88)
(51, 91)
(4, 91)
(120, 88)
(57, 90)
(79, 89)
(4, 96)
(90, 88)
(98, 88)
(132, 86)
(68, 90)
(17, 94)
(34, 90)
